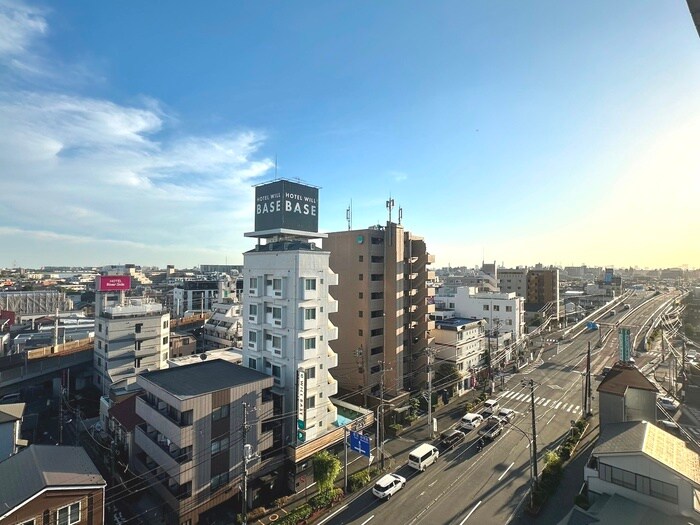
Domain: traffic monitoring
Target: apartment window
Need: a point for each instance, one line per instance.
(99, 361)
(375, 369)
(252, 363)
(360, 313)
(361, 258)
(377, 331)
(165, 340)
(376, 313)
(106, 347)
(277, 285)
(276, 371)
(377, 295)
(311, 402)
(360, 295)
(99, 345)
(496, 308)
(360, 333)
(218, 481)
(276, 312)
(377, 240)
(137, 327)
(137, 362)
(645, 485)
(377, 258)
(361, 277)
(309, 284)
(509, 322)
(377, 277)
(486, 308)
(274, 340)
(377, 350)
(252, 337)
(310, 343)
(165, 324)
(252, 310)
(253, 283)
(219, 445)
(311, 373)
(99, 327)
(221, 412)
(310, 314)
(69, 514)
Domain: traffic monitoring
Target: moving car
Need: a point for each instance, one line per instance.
(470, 421)
(492, 429)
(388, 485)
(491, 406)
(450, 439)
(423, 456)
(506, 414)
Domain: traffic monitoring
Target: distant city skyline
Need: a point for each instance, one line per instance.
(521, 133)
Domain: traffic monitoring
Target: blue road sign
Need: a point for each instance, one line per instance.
(360, 443)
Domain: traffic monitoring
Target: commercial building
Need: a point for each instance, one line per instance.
(197, 419)
(287, 332)
(51, 484)
(132, 335)
(645, 464)
(543, 290)
(513, 280)
(385, 297)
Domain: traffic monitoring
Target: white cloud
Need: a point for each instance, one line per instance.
(78, 167)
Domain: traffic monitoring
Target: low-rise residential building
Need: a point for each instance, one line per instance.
(224, 328)
(53, 485)
(626, 395)
(459, 342)
(191, 443)
(182, 344)
(646, 464)
(11, 429)
(123, 420)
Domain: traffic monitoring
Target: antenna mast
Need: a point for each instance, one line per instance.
(348, 215)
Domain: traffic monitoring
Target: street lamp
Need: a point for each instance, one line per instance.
(533, 463)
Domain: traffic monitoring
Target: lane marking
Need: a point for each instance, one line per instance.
(341, 509)
(421, 493)
(550, 420)
(433, 483)
(470, 513)
(368, 520)
(506, 471)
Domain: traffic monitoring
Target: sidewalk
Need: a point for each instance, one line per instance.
(562, 501)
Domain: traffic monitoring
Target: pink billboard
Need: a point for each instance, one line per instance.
(113, 283)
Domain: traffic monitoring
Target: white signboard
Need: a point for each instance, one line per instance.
(301, 397)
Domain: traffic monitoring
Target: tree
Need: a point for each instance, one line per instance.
(326, 469)
(446, 374)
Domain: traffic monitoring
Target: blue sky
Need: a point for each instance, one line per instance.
(525, 132)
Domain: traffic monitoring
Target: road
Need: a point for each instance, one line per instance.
(490, 486)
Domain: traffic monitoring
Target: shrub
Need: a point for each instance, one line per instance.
(581, 424)
(281, 501)
(326, 469)
(358, 480)
(300, 513)
(256, 513)
(396, 427)
(325, 498)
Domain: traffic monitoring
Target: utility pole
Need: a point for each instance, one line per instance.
(589, 397)
(430, 352)
(345, 469)
(248, 456)
(534, 432)
(60, 415)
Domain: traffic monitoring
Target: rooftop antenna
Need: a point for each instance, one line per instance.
(400, 214)
(275, 165)
(348, 215)
(389, 206)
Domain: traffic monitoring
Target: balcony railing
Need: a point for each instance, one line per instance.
(181, 455)
(168, 412)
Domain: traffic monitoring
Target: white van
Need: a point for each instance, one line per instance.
(471, 421)
(423, 456)
(491, 406)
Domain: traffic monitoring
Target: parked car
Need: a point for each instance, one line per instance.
(388, 485)
(450, 439)
(668, 403)
(471, 421)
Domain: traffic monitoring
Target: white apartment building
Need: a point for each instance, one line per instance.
(224, 327)
(286, 330)
(460, 342)
(131, 336)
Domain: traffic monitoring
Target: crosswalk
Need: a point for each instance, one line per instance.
(512, 395)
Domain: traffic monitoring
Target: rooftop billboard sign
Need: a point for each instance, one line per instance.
(286, 204)
(113, 283)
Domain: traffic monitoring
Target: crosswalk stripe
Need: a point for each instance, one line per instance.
(540, 401)
(520, 397)
(563, 407)
(546, 403)
(570, 408)
(557, 405)
(511, 395)
(537, 399)
(578, 408)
